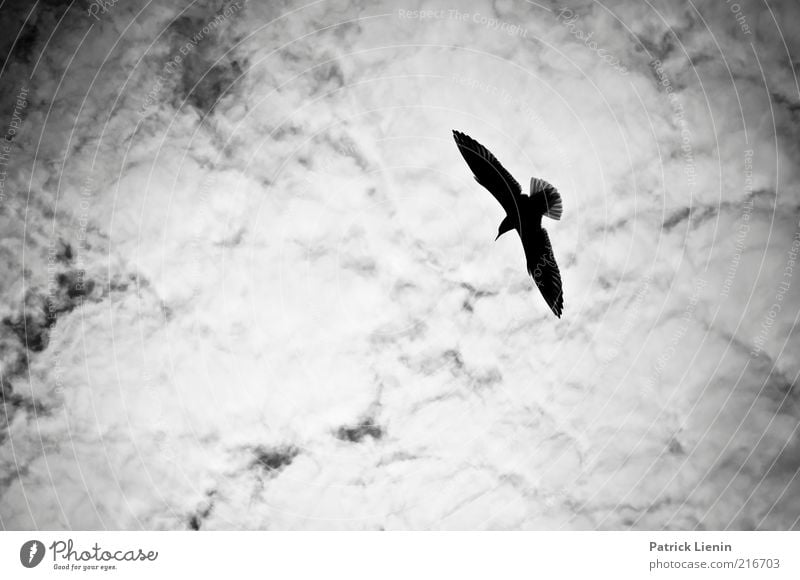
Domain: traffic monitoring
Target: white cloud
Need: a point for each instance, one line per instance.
(308, 253)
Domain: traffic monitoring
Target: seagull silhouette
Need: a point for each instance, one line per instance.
(523, 213)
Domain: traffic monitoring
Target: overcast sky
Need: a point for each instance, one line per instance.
(249, 282)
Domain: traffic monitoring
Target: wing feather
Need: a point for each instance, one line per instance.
(488, 171)
(543, 268)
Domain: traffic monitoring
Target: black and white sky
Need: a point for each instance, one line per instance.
(248, 282)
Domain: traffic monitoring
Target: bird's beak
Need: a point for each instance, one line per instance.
(497, 238)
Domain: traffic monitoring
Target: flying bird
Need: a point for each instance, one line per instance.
(523, 213)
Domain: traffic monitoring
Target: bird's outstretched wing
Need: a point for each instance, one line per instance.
(543, 268)
(489, 173)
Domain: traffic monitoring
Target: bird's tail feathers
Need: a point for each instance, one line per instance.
(552, 199)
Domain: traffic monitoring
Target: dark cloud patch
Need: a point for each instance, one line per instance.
(329, 76)
(676, 218)
(792, 108)
(204, 83)
(27, 332)
(42, 307)
(194, 523)
(273, 460)
(487, 379)
(31, 325)
(454, 359)
(120, 283)
(12, 21)
(473, 295)
(10, 401)
(661, 47)
(782, 392)
(674, 446)
(197, 519)
(209, 70)
(73, 284)
(65, 254)
(26, 43)
(357, 433)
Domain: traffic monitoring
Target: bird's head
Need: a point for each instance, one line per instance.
(505, 226)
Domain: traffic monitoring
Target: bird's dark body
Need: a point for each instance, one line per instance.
(532, 209)
(523, 214)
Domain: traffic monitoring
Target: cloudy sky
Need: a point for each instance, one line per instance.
(248, 281)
